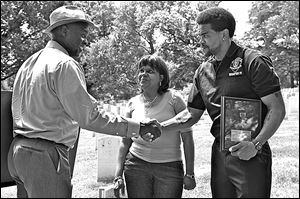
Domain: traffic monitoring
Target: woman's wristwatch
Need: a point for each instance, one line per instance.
(192, 176)
(117, 178)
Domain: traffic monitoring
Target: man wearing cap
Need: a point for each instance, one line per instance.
(49, 104)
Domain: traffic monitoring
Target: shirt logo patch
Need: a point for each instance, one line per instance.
(235, 66)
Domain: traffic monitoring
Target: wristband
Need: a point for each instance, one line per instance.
(257, 145)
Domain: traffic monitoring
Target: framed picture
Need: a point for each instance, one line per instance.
(240, 120)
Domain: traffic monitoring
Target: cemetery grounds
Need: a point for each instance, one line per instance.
(284, 145)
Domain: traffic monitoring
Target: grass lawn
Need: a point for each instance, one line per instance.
(284, 145)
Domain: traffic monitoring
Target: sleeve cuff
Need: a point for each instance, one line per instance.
(133, 129)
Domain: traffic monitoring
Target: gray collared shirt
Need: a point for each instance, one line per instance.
(50, 100)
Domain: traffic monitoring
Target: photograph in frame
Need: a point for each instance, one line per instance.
(240, 120)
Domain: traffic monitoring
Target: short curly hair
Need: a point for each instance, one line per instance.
(218, 18)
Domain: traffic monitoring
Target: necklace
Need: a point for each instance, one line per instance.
(148, 103)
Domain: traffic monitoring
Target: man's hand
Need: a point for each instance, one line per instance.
(244, 150)
(150, 130)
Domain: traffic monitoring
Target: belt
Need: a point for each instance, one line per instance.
(59, 144)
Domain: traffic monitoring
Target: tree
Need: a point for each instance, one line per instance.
(146, 27)
(22, 23)
(126, 32)
(110, 70)
(102, 13)
(178, 26)
(110, 61)
(276, 32)
(115, 56)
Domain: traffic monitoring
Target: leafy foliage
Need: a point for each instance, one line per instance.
(128, 30)
(110, 71)
(276, 32)
(22, 23)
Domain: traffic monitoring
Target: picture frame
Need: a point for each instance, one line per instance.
(241, 120)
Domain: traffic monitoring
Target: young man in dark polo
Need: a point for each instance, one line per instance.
(244, 170)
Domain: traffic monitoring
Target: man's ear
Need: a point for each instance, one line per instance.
(225, 34)
(64, 30)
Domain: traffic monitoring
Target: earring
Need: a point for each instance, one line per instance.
(159, 83)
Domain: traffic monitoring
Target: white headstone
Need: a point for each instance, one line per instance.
(108, 149)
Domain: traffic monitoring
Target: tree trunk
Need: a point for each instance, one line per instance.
(292, 79)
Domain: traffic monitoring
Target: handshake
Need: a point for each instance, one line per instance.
(150, 130)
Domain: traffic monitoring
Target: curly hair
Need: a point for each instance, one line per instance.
(218, 18)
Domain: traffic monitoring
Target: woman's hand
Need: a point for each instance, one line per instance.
(189, 183)
(119, 186)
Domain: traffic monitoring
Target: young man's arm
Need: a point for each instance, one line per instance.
(182, 120)
(189, 182)
(276, 112)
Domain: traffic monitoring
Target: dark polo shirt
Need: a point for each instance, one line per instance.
(242, 73)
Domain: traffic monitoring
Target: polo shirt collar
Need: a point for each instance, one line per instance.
(56, 45)
(232, 49)
(231, 52)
